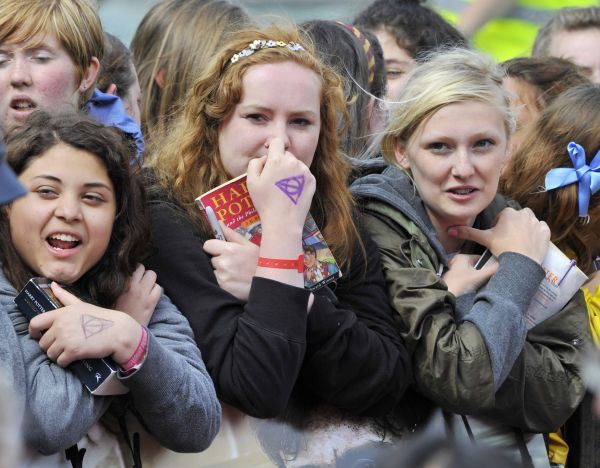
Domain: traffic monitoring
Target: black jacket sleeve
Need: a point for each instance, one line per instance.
(252, 351)
(255, 351)
(355, 358)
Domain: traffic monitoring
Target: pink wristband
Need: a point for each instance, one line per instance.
(138, 355)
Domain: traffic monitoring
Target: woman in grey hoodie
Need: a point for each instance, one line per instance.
(83, 224)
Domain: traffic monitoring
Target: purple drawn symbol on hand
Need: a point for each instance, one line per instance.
(292, 187)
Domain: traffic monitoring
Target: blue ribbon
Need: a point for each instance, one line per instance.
(587, 177)
(108, 110)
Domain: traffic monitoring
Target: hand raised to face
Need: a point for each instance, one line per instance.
(281, 187)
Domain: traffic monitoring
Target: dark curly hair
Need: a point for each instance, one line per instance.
(417, 29)
(130, 237)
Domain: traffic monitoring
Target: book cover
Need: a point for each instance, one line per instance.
(560, 284)
(231, 203)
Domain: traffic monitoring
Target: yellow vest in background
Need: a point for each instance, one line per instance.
(513, 35)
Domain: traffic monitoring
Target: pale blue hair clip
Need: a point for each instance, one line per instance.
(586, 177)
(265, 44)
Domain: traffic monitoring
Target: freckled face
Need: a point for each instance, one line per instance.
(31, 77)
(62, 227)
(455, 158)
(279, 100)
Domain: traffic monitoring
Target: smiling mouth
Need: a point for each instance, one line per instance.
(63, 241)
(22, 104)
(465, 191)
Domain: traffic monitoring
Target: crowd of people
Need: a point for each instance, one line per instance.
(414, 153)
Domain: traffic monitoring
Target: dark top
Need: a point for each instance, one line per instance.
(346, 354)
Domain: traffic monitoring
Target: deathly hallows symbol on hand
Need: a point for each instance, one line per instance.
(292, 187)
(93, 325)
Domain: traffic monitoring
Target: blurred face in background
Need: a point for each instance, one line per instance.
(131, 100)
(582, 47)
(398, 63)
(524, 106)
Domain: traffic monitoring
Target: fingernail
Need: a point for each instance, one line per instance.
(453, 232)
(56, 284)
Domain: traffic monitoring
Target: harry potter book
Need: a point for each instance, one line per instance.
(98, 375)
(231, 204)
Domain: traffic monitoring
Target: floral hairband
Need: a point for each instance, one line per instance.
(586, 177)
(265, 44)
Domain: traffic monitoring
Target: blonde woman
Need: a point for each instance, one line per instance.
(472, 354)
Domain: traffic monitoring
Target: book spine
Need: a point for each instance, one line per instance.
(32, 300)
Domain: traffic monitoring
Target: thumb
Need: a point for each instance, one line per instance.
(472, 259)
(255, 167)
(469, 233)
(64, 296)
(231, 235)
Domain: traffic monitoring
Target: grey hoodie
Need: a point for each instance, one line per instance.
(172, 392)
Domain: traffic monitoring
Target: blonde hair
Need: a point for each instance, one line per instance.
(75, 23)
(446, 77)
(187, 161)
(178, 39)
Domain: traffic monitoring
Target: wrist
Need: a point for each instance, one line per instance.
(283, 263)
(281, 245)
(127, 339)
(282, 230)
(137, 357)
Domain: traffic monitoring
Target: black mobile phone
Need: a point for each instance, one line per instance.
(485, 256)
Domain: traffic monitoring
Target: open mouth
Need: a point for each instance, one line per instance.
(63, 241)
(462, 191)
(22, 104)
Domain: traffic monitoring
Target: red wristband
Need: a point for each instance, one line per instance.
(138, 355)
(296, 264)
